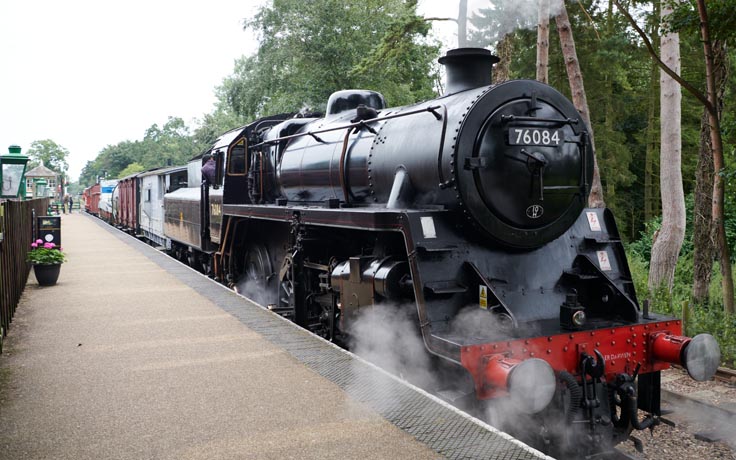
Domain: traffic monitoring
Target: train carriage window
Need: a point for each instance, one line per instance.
(236, 165)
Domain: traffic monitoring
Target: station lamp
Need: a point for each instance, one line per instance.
(13, 179)
(39, 186)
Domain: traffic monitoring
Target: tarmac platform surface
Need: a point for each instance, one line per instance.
(133, 355)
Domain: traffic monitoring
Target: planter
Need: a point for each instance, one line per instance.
(46, 274)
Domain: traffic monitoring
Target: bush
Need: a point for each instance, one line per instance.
(697, 319)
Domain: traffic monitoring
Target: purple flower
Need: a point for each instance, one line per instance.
(39, 241)
(48, 246)
(34, 245)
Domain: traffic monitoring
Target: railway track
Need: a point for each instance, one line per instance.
(725, 375)
(702, 407)
(707, 420)
(698, 422)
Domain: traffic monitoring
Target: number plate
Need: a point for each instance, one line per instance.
(536, 136)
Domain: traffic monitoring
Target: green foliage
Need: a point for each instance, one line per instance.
(406, 73)
(131, 169)
(310, 49)
(701, 318)
(74, 188)
(171, 144)
(642, 247)
(53, 155)
(697, 318)
(212, 125)
(721, 18)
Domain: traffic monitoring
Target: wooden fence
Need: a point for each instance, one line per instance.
(17, 227)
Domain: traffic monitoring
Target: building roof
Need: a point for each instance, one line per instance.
(41, 171)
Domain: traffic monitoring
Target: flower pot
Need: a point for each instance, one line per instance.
(47, 274)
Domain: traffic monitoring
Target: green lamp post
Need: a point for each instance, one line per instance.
(14, 171)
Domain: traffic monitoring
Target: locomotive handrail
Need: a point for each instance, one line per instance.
(359, 124)
(565, 121)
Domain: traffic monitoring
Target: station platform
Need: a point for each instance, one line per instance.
(133, 355)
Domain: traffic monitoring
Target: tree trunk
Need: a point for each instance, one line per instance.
(462, 24)
(717, 145)
(651, 166)
(577, 89)
(667, 244)
(704, 249)
(504, 49)
(651, 191)
(703, 242)
(543, 42)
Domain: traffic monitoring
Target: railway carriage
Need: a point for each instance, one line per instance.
(105, 203)
(127, 200)
(153, 186)
(92, 199)
(188, 217)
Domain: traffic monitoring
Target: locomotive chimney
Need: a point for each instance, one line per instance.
(467, 68)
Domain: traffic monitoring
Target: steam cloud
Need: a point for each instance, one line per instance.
(495, 18)
(505, 16)
(254, 291)
(386, 336)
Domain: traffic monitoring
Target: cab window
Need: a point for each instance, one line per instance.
(236, 159)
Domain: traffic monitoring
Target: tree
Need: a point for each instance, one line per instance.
(651, 163)
(543, 42)
(579, 97)
(168, 145)
(308, 50)
(720, 23)
(497, 25)
(504, 51)
(667, 243)
(214, 124)
(131, 169)
(718, 164)
(51, 154)
(704, 247)
(725, 27)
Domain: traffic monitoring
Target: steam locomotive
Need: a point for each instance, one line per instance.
(465, 210)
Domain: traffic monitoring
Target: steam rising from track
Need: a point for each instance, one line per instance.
(387, 336)
(254, 291)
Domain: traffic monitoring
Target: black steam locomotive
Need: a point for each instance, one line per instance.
(464, 210)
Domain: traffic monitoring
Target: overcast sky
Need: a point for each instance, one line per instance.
(90, 73)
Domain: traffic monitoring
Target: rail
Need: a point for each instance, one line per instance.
(16, 230)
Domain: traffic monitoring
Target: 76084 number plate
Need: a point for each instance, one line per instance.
(535, 136)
